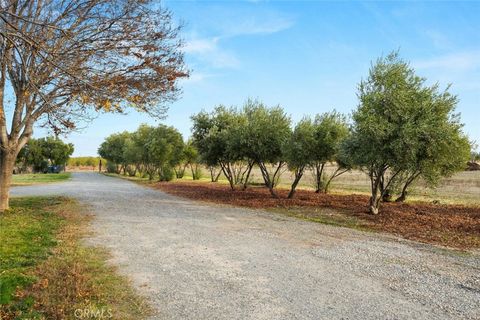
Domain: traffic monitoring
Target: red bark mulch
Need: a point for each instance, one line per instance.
(448, 225)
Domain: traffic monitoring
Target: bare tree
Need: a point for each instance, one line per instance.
(63, 59)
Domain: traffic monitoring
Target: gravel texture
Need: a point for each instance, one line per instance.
(199, 261)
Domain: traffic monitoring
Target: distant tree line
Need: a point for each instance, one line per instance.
(85, 161)
(402, 130)
(38, 154)
(153, 152)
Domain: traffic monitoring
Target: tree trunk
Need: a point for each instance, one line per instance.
(374, 204)
(269, 181)
(272, 190)
(375, 197)
(215, 179)
(213, 174)
(403, 195)
(7, 162)
(245, 183)
(318, 177)
(227, 172)
(298, 176)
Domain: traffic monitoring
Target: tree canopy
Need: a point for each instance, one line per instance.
(65, 59)
(39, 153)
(154, 151)
(404, 128)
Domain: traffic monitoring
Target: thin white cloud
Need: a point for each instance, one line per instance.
(457, 62)
(208, 51)
(227, 25)
(201, 45)
(438, 39)
(461, 69)
(260, 26)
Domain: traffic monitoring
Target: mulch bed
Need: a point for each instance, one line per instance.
(448, 225)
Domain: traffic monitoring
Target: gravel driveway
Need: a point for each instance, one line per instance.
(200, 261)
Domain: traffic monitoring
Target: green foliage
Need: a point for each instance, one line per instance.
(191, 158)
(166, 173)
(111, 167)
(236, 139)
(152, 151)
(330, 130)
(39, 153)
(300, 151)
(214, 137)
(266, 135)
(113, 147)
(219, 139)
(404, 128)
(266, 132)
(315, 143)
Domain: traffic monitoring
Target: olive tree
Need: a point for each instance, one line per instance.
(192, 159)
(314, 144)
(141, 138)
(132, 155)
(330, 130)
(266, 135)
(165, 147)
(300, 150)
(397, 123)
(113, 149)
(216, 135)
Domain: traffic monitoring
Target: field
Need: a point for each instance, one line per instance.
(462, 188)
(47, 273)
(37, 178)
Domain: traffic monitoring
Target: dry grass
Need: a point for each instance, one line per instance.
(75, 279)
(463, 188)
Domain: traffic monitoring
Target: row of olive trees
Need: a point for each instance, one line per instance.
(236, 139)
(401, 131)
(150, 151)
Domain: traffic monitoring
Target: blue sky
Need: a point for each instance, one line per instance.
(308, 56)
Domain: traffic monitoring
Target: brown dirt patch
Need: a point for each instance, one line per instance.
(448, 225)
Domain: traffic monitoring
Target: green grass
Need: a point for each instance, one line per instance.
(46, 271)
(36, 178)
(26, 238)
